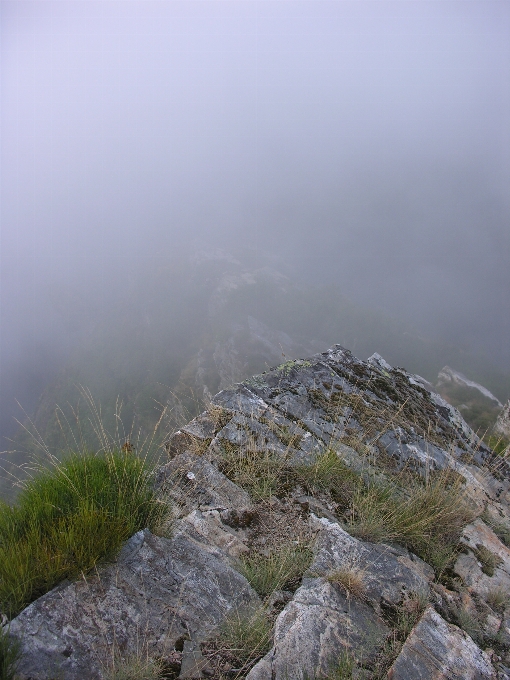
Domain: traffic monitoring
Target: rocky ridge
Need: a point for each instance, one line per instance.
(286, 463)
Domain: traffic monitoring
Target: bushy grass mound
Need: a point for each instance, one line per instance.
(68, 518)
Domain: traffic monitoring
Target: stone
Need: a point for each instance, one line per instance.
(164, 596)
(320, 622)
(502, 426)
(389, 575)
(158, 592)
(486, 566)
(208, 489)
(437, 650)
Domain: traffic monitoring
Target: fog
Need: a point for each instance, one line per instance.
(366, 144)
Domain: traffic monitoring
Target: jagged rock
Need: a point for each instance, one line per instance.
(177, 591)
(211, 528)
(389, 576)
(192, 482)
(320, 621)
(159, 591)
(436, 650)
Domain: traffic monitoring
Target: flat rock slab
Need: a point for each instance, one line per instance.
(159, 591)
(314, 628)
(436, 650)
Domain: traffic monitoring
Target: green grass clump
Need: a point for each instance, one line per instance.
(498, 444)
(68, 518)
(262, 474)
(282, 569)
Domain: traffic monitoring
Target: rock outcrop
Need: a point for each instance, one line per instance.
(293, 462)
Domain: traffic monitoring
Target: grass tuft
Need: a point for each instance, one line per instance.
(262, 474)
(426, 517)
(351, 579)
(489, 560)
(282, 569)
(498, 599)
(68, 518)
(329, 473)
(136, 668)
(244, 638)
(342, 668)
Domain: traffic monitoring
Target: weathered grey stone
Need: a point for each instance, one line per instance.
(320, 622)
(485, 554)
(157, 592)
(436, 650)
(190, 482)
(210, 527)
(502, 426)
(389, 576)
(197, 432)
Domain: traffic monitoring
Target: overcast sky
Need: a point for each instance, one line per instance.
(367, 143)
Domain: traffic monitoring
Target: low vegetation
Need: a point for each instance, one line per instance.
(281, 569)
(243, 639)
(9, 655)
(351, 579)
(136, 668)
(68, 518)
(426, 516)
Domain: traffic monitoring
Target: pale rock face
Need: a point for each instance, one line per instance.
(318, 622)
(324, 617)
(486, 566)
(436, 650)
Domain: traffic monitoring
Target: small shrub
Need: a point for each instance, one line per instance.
(9, 655)
(70, 517)
(282, 569)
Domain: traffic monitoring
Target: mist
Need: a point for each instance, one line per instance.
(362, 144)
